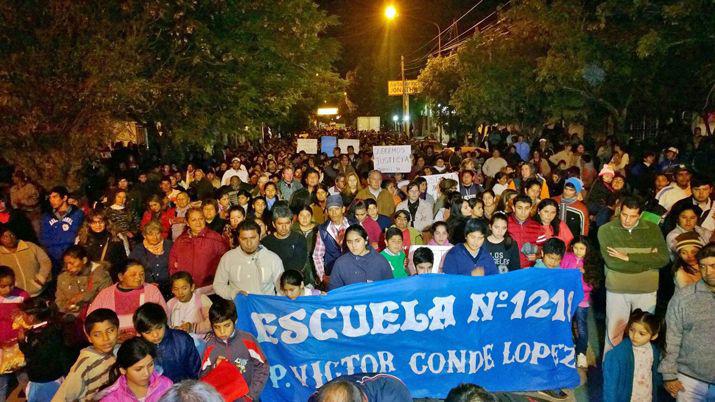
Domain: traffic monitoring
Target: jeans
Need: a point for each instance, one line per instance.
(4, 382)
(581, 320)
(42, 391)
(695, 390)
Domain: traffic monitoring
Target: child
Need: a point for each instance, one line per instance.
(11, 298)
(80, 281)
(423, 260)
(237, 347)
(177, 357)
(138, 381)
(93, 368)
(393, 253)
(574, 259)
(48, 357)
(292, 285)
(188, 309)
(503, 249)
(553, 251)
(630, 369)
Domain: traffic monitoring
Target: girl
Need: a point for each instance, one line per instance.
(685, 268)
(320, 203)
(469, 257)
(489, 203)
(547, 215)
(630, 370)
(440, 234)
(236, 215)
(579, 253)
(188, 309)
(292, 285)
(120, 216)
(138, 380)
(459, 212)
(501, 246)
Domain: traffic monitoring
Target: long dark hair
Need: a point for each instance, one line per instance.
(556, 222)
(508, 241)
(592, 264)
(130, 352)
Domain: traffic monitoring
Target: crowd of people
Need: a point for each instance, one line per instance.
(117, 291)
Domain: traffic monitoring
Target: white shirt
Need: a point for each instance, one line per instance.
(242, 174)
(671, 194)
(257, 273)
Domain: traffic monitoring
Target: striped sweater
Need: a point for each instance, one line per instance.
(87, 376)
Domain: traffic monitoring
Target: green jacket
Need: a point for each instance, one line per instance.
(647, 253)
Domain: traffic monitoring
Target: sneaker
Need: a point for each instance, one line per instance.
(581, 361)
(554, 394)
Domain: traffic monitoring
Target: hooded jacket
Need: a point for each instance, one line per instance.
(459, 261)
(120, 392)
(30, 264)
(198, 255)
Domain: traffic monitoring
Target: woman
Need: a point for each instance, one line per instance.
(29, 262)
(120, 216)
(352, 186)
(459, 212)
(600, 191)
(506, 201)
(439, 234)
(178, 221)
(153, 254)
(541, 164)
(259, 210)
(501, 246)
(687, 222)
(410, 235)
(80, 281)
(620, 159)
(374, 214)
(308, 229)
(125, 297)
(319, 205)
(469, 257)
(685, 268)
(361, 263)
(138, 381)
(156, 211)
(101, 244)
(490, 203)
(201, 186)
(547, 215)
(532, 188)
(230, 230)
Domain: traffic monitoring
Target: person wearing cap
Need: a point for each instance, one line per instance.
(677, 190)
(701, 188)
(237, 169)
(374, 190)
(601, 190)
(687, 221)
(572, 210)
(330, 244)
(494, 164)
(685, 267)
(669, 161)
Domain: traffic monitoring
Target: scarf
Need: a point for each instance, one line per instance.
(562, 207)
(156, 250)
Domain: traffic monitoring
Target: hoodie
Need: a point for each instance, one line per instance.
(459, 261)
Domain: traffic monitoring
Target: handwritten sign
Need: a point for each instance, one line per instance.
(344, 143)
(434, 179)
(392, 159)
(309, 145)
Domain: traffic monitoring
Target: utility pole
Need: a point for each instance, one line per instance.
(405, 99)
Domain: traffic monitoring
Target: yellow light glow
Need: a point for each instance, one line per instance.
(327, 111)
(390, 12)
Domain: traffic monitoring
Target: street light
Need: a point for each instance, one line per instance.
(390, 12)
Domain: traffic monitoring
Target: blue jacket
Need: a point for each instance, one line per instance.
(458, 261)
(177, 356)
(57, 235)
(377, 387)
(351, 268)
(618, 366)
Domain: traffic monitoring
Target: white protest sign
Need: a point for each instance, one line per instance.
(438, 251)
(309, 145)
(393, 158)
(434, 179)
(344, 143)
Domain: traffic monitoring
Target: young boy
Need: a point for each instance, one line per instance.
(238, 347)
(393, 253)
(92, 370)
(11, 297)
(553, 251)
(423, 260)
(176, 355)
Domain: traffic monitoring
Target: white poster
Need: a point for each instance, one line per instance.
(344, 143)
(393, 158)
(434, 179)
(439, 253)
(309, 145)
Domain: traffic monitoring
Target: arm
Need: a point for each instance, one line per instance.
(301, 252)
(656, 259)
(260, 368)
(204, 326)
(45, 272)
(674, 336)
(222, 281)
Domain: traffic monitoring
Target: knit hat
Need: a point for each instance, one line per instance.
(334, 200)
(575, 182)
(607, 169)
(672, 149)
(688, 239)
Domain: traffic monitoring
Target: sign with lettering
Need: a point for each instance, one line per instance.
(393, 158)
(394, 88)
(508, 332)
(327, 144)
(309, 145)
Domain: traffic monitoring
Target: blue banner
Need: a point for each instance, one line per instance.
(508, 332)
(327, 144)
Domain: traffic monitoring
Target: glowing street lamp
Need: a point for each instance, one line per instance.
(390, 12)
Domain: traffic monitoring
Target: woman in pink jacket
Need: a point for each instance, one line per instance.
(138, 380)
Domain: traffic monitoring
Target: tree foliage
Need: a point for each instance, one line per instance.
(201, 68)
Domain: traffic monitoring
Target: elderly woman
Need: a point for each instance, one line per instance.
(125, 296)
(153, 254)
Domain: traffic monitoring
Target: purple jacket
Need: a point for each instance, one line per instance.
(120, 392)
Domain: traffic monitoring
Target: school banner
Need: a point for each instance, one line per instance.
(508, 332)
(392, 158)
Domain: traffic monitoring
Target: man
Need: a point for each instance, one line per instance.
(237, 169)
(701, 189)
(565, 155)
(287, 186)
(306, 195)
(494, 164)
(60, 226)
(363, 388)
(170, 193)
(524, 230)
(677, 190)
(340, 181)
(467, 187)
(688, 365)
(670, 159)
(249, 268)
(522, 148)
(197, 250)
(329, 244)
(290, 246)
(633, 250)
(572, 210)
(419, 209)
(642, 173)
(374, 190)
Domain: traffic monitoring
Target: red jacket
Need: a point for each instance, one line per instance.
(522, 233)
(197, 255)
(165, 218)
